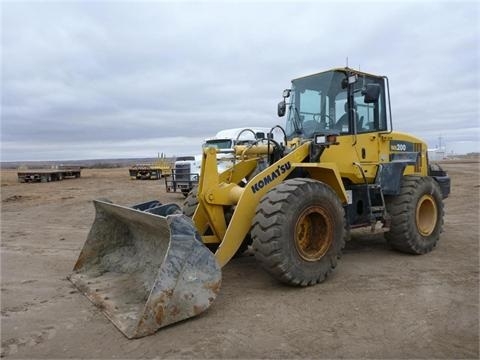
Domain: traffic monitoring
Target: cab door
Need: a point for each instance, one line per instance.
(369, 119)
(367, 135)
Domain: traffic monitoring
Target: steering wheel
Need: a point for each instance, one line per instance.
(319, 115)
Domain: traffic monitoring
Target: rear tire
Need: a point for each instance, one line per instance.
(416, 215)
(299, 231)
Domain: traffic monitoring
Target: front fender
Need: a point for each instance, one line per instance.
(327, 173)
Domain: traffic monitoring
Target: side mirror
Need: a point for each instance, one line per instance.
(282, 108)
(286, 93)
(371, 93)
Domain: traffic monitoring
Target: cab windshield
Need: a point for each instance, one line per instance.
(316, 104)
(220, 144)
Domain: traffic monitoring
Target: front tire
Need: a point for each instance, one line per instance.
(417, 216)
(299, 231)
(191, 202)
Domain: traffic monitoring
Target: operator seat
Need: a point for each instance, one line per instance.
(343, 121)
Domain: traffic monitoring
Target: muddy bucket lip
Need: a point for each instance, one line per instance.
(184, 285)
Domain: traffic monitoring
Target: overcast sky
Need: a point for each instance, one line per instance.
(120, 79)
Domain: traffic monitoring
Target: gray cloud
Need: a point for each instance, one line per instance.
(120, 79)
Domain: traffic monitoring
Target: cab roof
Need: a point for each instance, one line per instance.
(344, 70)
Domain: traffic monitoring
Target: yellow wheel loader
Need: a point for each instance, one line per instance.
(340, 166)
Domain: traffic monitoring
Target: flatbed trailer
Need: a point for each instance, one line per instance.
(47, 175)
(149, 172)
(145, 172)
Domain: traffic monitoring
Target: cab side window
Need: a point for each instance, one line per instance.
(341, 113)
(365, 113)
(372, 116)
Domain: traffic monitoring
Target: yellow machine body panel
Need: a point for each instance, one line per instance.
(364, 152)
(396, 143)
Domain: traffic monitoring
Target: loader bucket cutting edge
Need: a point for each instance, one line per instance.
(145, 271)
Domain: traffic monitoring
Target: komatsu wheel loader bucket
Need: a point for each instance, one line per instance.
(145, 269)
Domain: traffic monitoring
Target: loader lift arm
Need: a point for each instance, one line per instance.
(216, 191)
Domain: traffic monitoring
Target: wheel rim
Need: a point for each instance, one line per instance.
(313, 233)
(426, 215)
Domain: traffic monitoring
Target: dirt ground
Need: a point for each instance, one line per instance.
(378, 304)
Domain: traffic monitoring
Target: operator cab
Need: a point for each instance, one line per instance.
(340, 101)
